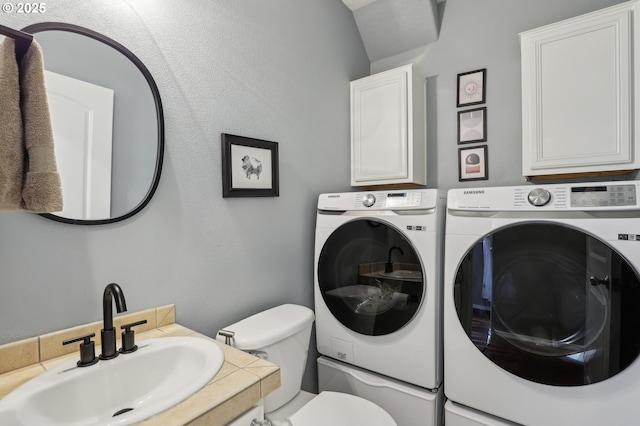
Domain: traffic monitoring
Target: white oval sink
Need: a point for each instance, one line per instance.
(120, 391)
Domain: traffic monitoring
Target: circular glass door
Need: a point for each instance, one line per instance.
(549, 303)
(370, 277)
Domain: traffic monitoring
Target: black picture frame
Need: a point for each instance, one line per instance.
(249, 167)
(472, 88)
(473, 163)
(472, 125)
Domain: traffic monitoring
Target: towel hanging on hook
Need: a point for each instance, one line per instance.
(22, 40)
(11, 130)
(29, 179)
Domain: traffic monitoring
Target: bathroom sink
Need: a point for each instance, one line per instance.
(120, 391)
(403, 274)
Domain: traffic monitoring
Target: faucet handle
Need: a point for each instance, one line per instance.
(87, 349)
(128, 338)
(229, 337)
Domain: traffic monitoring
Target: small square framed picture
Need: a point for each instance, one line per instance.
(249, 167)
(472, 125)
(473, 164)
(471, 87)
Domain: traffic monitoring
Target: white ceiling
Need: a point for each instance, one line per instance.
(390, 27)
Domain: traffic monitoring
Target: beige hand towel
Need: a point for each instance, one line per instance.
(41, 188)
(11, 147)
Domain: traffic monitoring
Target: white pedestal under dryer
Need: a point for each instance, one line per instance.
(541, 294)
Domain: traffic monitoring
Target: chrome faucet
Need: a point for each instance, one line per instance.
(108, 332)
(388, 267)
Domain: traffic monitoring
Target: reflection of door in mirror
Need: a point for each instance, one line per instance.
(82, 120)
(136, 131)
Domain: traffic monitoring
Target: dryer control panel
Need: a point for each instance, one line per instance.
(603, 195)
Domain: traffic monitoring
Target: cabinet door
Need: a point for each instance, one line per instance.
(576, 93)
(379, 128)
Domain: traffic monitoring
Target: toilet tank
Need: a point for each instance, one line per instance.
(281, 336)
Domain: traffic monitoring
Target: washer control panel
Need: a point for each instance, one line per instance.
(603, 195)
(410, 199)
(403, 199)
(390, 200)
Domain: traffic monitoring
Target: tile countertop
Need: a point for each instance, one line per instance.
(241, 382)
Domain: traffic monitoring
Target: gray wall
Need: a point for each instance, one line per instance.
(277, 70)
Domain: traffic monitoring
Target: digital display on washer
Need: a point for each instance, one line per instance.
(603, 196)
(403, 199)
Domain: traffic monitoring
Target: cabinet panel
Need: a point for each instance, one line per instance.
(577, 82)
(388, 128)
(382, 107)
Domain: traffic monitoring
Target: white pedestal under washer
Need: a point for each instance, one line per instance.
(408, 404)
(541, 289)
(458, 415)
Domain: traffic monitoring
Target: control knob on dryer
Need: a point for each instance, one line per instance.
(539, 197)
(368, 200)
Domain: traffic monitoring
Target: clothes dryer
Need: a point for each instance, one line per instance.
(541, 290)
(378, 280)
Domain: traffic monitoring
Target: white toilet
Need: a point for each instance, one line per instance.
(281, 335)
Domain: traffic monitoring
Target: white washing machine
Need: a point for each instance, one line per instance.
(541, 290)
(378, 283)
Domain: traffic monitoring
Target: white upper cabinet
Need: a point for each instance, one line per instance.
(388, 129)
(579, 94)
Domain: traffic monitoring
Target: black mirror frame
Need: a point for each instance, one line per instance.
(58, 26)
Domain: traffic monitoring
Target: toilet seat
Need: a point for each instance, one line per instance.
(341, 409)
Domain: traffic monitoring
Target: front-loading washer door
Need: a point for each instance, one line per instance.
(370, 277)
(550, 303)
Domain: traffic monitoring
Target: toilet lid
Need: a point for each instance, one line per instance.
(341, 409)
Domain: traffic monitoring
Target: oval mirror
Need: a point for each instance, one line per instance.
(107, 121)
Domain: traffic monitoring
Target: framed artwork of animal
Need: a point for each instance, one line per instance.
(249, 167)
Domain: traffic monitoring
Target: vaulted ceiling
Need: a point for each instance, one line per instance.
(390, 27)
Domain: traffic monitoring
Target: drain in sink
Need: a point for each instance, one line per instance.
(124, 410)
